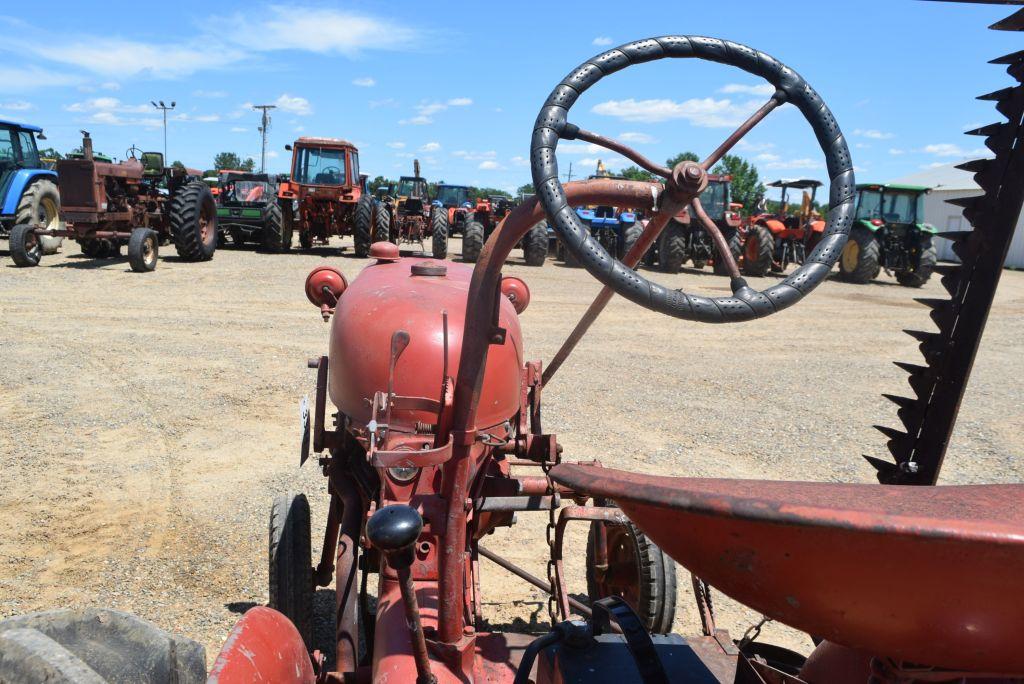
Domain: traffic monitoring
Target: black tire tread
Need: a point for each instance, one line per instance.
(20, 253)
(136, 249)
(439, 232)
(925, 267)
(362, 226)
(765, 252)
(732, 238)
(25, 211)
(869, 261)
(290, 562)
(279, 240)
(381, 224)
(472, 241)
(535, 244)
(672, 248)
(184, 220)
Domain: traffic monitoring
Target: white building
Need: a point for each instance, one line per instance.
(948, 182)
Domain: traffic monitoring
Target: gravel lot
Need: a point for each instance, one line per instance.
(148, 420)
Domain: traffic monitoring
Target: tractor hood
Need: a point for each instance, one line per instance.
(410, 294)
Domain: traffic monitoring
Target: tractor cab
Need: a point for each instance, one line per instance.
(329, 162)
(890, 204)
(242, 187)
(809, 188)
(452, 196)
(28, 190)
(412, 193)
(17, 147)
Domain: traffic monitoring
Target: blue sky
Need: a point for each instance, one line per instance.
(458, 85)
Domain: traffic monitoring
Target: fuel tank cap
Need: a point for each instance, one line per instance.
(384, 251)
(429, 268)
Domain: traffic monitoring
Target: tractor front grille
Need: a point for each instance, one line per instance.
(77, 185)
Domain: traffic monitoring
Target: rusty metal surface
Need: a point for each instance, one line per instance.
(264, 646)
(352, 508)
(822, 557)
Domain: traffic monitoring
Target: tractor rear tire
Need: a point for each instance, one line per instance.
(273, 223)
(649, 573)
(291, 570)
(40, 206)
(860, 261)
(925, 267)
(362, 226)
(535, 245)
(143, 249)
(95, 645)
(382, 224)
(280, 240)
(26, 250)
(630, 235)
(472, 241)
(194, 222)
(439, 228)
(732, 238)
(672, 248)
(758, 251)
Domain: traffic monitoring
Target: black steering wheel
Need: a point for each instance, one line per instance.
(746, 302)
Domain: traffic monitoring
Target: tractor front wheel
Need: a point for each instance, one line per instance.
(439, 229)
(382, 224)
(472, 241)
(636, 570)
(362, 229)
(278, 238)
(194, 222)
(40, 206)
(630, 234)
(26, 250)
(672, 248)
(291, 570)
(732, 238)
(535, 245)
(758, 251)
(860, 261)
(925, 266)
(143, 248)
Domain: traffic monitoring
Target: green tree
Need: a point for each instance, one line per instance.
(526, 189)
(177, 165)
(636, 173)
(248, 165)
(747, 188)
(50, 153)
(227, 160)
(379, 182)
(681, 157)
(483, 193)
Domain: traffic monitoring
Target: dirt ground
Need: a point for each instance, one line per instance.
(148, 420)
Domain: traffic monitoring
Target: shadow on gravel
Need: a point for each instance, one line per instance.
(537, 624)
(240, 607)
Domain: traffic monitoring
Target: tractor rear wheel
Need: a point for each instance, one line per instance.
(860, 261)
(95, 645)
(637, 570)
(925, 266)
(26, 250)
(382, 224)
(273, 221)
(630, 234)
(439, 228)
(732, 238)
(362, 226)
(280, 240)
(758, 251)
(672, 248)
(472, 241)
(291, 570)
(194, 222)
(143, 248)
(535, 245)
(40, 206)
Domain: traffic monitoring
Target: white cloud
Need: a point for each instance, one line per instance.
(431, 147)
(633, 137)
(519, 161)
(126, 58)
(704, 112)
(873, 134)
(947, 150)
(759, 89)
(386, 102)
(420, 120)
(895, 151)
(16, 106)
(767, 157)
(405, 155)
(294, 104)
(272, 154)
(473, 155)
(26, 77)
(300, 129)
(743, 144)
(364, 82)
(490, 165)
(802, 163)
(110, 85)
(933, 165)
(460, 102)
(579, 148)
(601, 40)
(239, 129)
(425, 110)
(108, 104)
(396, 145)
(612, 162)
(209, 93)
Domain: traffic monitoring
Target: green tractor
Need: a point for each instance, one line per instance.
(889, 233)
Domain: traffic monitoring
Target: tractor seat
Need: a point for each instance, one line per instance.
(929, 575)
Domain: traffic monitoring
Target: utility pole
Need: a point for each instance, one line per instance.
(569, 175)
(264, 126)
(165, 109)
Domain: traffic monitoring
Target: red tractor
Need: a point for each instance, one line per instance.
(410, 217)
(774, 241)
(428, 423)
(455, 200)
(486, 215)
(325, 196)
(138, 203)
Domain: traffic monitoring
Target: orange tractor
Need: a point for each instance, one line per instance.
(774, 241)
(325, 196)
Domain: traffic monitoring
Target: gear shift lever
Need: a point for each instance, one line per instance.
(393, 530)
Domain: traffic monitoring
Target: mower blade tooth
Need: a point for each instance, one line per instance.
(1011, 58)
(943, 317)
(974, 166)
(902, 402)
(885, 470)
(998, 95)
(1014, 22)
(892, 433)
(947, 269)
(987, 131)
(920, 336)
(954, 235)
(911, 368)
(932, 302)
(951, 282)
(963, 250)
(965, 202)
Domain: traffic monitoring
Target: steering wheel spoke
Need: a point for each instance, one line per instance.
(757, 117)
(721, 246)
(643, 162)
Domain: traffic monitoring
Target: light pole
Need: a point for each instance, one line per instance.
(264, 126)
(165, 109)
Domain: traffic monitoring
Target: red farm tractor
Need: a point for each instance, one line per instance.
(774, 241)
(409, 217)
(428, 423)
(486, 216)
(456, 201)
(138, 203)
(324, 197)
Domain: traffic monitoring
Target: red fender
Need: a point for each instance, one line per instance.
(264, 646)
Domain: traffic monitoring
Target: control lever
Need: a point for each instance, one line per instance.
(393, 530)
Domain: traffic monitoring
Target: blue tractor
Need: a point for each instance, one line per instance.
(615, 228)
(28, 190)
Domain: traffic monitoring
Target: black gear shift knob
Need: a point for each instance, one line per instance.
(393, 530)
